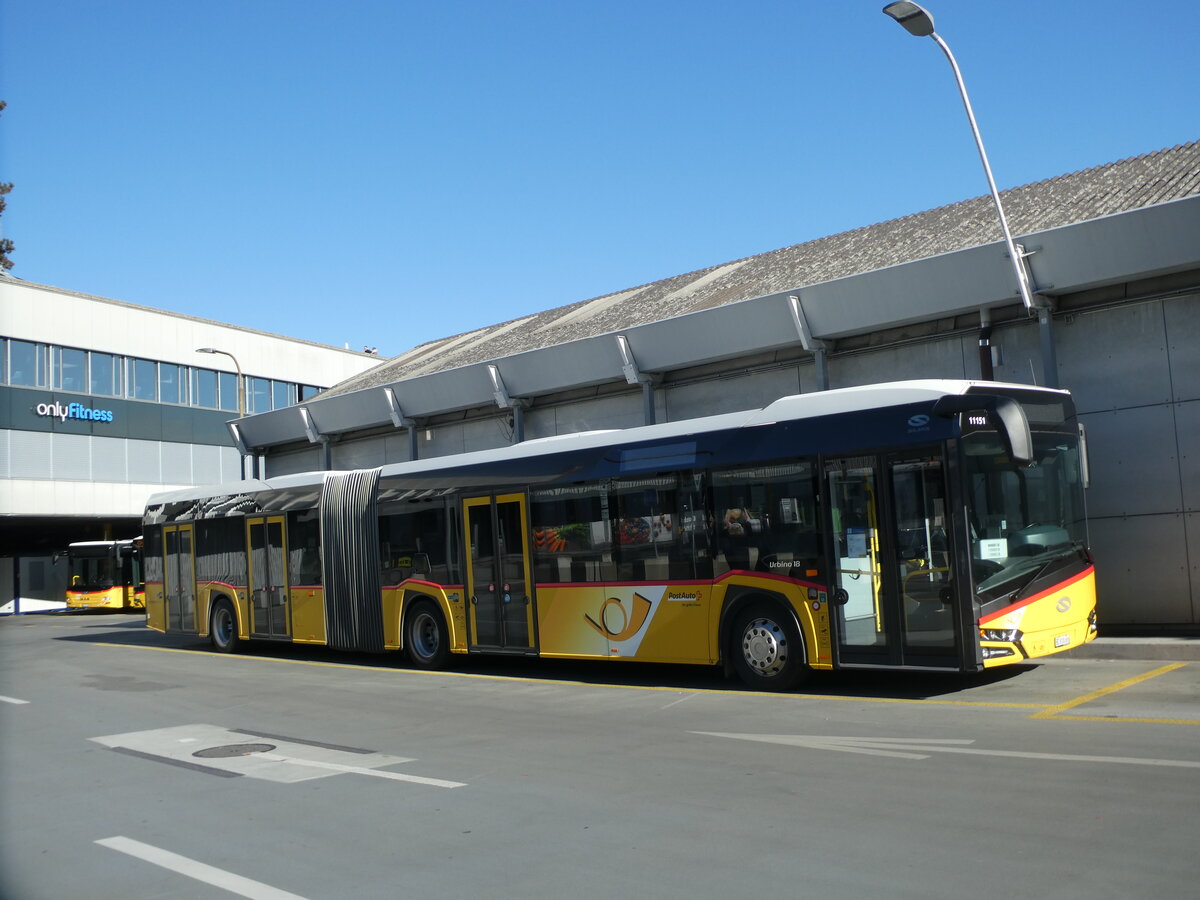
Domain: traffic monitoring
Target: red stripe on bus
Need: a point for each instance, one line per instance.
(1061, 586)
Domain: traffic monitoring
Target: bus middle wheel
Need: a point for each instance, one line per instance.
(426, 637)
(222, 626)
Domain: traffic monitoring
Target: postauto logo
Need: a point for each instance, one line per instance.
(66, 411)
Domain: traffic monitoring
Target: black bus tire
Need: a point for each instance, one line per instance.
(222, 626)
(426, 637)
(767, 649)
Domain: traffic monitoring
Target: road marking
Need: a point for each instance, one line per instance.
(226, 752)
(922, 748)
(198, 871)
(1056, 712)
(361, 770)
(13, 700)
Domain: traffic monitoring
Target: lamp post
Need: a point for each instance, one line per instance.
(241, 382)
(919, 23)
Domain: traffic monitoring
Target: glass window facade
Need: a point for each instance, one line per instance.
(32, 364)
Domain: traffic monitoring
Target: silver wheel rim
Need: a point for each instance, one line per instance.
(425, 635)
(222, 625)
(764, 647)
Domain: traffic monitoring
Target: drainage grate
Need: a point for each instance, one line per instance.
(233, 750)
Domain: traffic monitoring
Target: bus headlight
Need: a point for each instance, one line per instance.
(1008, 635)
(993, 652)
(1093, 622)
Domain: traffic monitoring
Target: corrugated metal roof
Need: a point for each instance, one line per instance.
(1129, 184)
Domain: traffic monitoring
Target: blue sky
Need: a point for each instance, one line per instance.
(388, 173)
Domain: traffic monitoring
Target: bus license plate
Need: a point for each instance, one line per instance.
(1062, 640)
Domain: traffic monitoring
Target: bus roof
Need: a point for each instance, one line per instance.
(791, 408)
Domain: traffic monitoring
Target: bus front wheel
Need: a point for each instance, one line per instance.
(767, 649)
(222, 626)
(426, 636)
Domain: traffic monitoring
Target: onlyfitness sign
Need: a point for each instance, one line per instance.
(64, 411)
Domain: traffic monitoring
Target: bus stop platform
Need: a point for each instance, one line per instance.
(1180, 648)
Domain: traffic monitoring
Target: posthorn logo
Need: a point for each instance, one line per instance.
(64, 411)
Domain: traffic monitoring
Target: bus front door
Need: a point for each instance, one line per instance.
(268, 577)
(498, 573)
(179, 578)
(894, 601)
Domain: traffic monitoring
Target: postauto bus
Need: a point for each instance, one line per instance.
(934, 525)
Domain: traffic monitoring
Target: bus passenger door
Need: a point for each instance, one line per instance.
(179, 578)
(862, 617)
(498, 572)
(894, 602)
(268, 577)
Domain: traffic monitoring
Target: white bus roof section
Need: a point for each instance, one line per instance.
(800, 406)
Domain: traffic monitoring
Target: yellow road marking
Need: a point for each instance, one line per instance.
(1056, 712)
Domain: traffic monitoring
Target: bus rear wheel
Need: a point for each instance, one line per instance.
(767, 649)
(426, 637)
(222, 626)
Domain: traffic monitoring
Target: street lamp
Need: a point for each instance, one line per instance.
(919, 23)
(241, 382)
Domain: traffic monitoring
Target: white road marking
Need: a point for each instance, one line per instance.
(676, 702)
(13, 700)
(921, 748)
(275, 759)
(198, 871)
(360, 770)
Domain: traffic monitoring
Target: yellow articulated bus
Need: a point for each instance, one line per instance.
(106, 575)
(933, 525)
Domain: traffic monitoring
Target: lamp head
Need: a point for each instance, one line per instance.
(916, 21)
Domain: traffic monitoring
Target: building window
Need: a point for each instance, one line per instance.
(229, 391)
(70, 369)
(260, 395)
(3, 361)
(307, 392)
(204, 388)
(172, 383)
(282, 394)
(142, 379)
(105, 375)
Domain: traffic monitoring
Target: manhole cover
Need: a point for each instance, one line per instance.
(233, 750)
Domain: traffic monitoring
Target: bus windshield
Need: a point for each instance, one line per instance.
(1022, 519)
(93, 572)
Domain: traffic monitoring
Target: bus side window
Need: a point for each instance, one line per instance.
(767, 519)
(412, 543)
(570, 533)
(304, 547)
